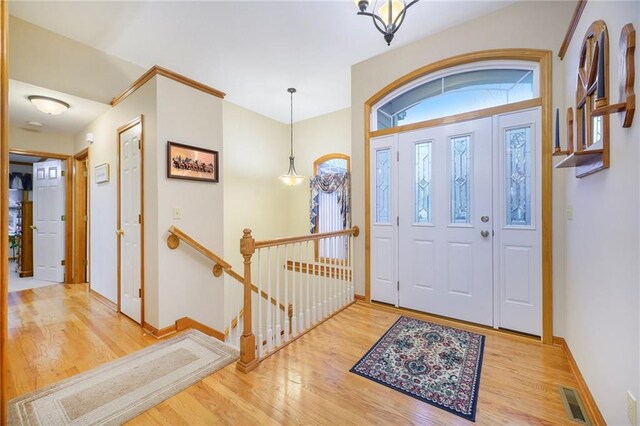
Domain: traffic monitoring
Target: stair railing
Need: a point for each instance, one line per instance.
(312, 274)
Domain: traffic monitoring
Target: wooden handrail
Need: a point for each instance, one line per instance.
(178, 236)
(199, 247)
(355, 231)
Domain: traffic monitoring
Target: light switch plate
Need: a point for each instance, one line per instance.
(177, 213)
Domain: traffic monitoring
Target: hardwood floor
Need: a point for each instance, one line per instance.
(56, 332)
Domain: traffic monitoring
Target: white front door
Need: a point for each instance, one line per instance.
(48, 221)
(445, 232)
(456, 221)
(130, 223)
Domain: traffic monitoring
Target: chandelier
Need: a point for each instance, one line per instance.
(292, 178)
(388, 18)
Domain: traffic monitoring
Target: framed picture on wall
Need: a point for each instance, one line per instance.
(102, 173)
(190, 162)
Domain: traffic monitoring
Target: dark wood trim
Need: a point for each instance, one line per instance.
(4, 206)
(157, 70)
(573, 24)
(138, 120)
(587, 398)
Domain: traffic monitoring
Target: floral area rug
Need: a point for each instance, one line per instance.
(434, 363)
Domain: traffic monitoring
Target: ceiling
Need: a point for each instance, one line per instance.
(79, 115)
(252, 50)
(19, 158)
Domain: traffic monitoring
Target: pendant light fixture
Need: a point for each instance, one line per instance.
(49, 105)
(292, 178)
(389, 16)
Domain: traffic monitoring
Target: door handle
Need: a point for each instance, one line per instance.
(485, 233)
(484, 219)
(34, 228)
(120, 232)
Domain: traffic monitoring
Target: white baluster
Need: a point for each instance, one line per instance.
(300, 291)
(239, 305)
(314, 284)
(286, 295)
(269, 314)
(294, 321)
(307, 317)
(350, 269)
(259, 302)
(278, 333)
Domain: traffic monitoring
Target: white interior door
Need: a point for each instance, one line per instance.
(130, 223)
(518, 243)
(445, 231)
(48, 225)
(384, 230)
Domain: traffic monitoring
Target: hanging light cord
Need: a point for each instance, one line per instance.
(291, 91)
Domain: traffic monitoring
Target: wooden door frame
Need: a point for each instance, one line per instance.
(68, 210)
(543, 58)
(122, 129)
(79, 231)
(4, 206)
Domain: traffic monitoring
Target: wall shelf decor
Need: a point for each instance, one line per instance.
(593, 110)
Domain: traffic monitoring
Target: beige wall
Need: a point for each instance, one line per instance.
(103, 202)
(46, 59)
(255, 153)
(186, 285)
(603, 240)
(539, 25)
(31, 140)
(313, 138)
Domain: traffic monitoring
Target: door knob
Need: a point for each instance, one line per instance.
(484, 219)
(120, 232)
(484, 233)
(33, 227)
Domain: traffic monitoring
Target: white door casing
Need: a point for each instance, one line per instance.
(49, 198)
(445, 249)
(518, 242)
(130, 219)
(384, 230)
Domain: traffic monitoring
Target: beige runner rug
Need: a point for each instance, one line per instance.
(120, 390)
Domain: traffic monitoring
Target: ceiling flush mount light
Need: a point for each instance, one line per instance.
(292, 177)
(48, 105)
(388, 18)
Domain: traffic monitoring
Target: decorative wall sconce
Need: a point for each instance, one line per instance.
(591, 152)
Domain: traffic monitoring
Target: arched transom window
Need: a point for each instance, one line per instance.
(457, 90)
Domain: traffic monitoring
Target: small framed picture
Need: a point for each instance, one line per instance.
(102, 173)
(193, 163)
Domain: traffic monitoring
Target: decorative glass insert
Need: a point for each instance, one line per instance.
(457, 93)
(423, 210)
(518, 176)
(383, 185)
(460, 179)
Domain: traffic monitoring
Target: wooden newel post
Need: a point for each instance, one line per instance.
(248, 360)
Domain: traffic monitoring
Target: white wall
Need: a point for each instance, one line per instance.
(186, 284)
(602, 241)
(539, 25)
(103, 203)
(313, 138)
(33, 140)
